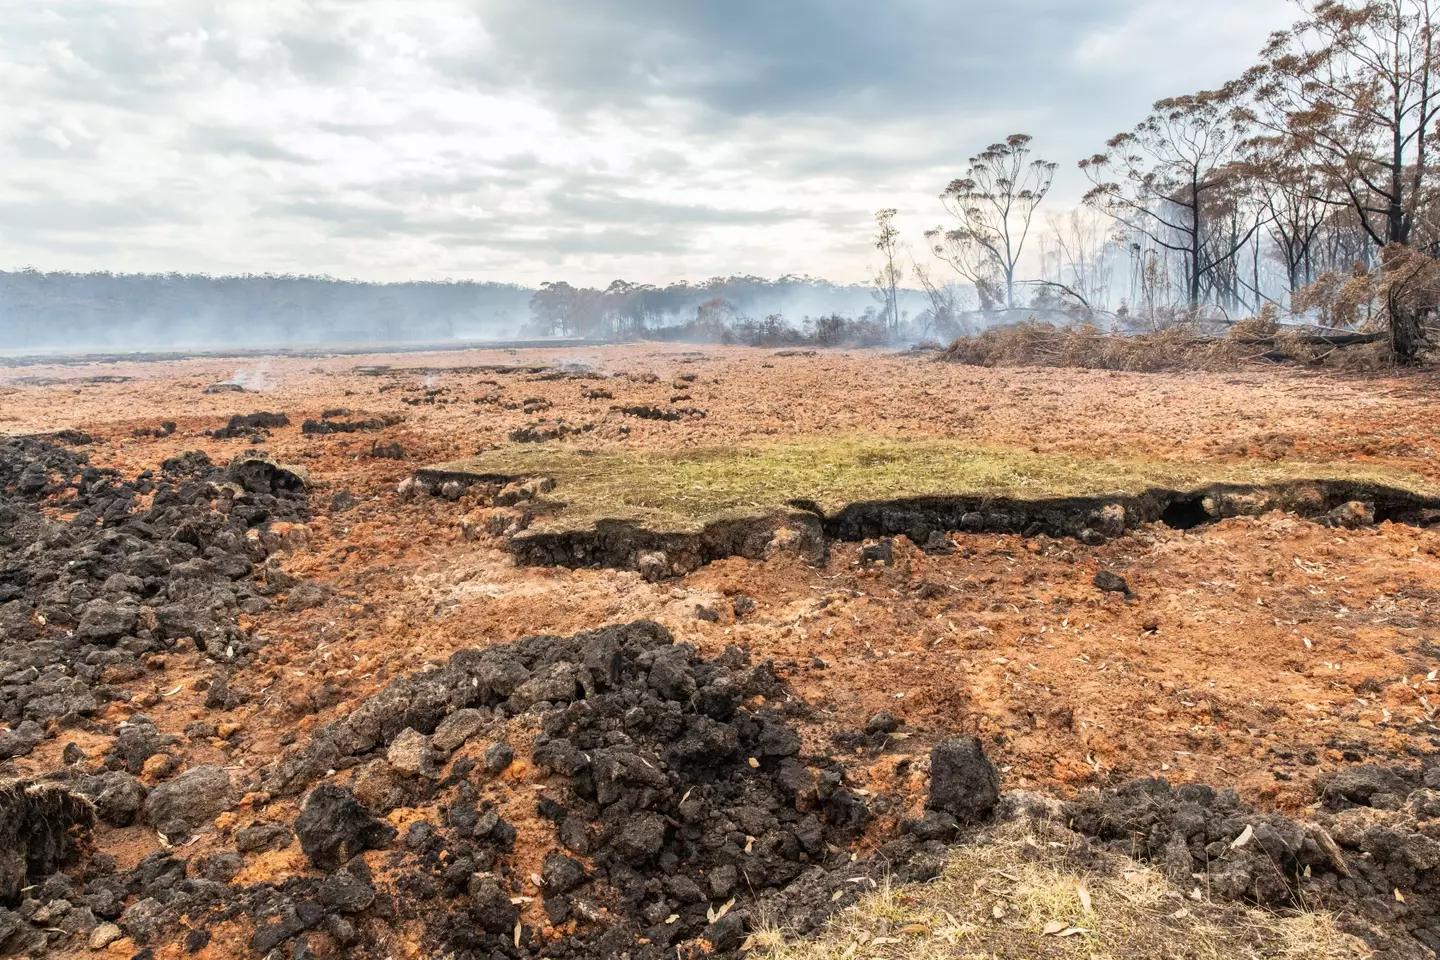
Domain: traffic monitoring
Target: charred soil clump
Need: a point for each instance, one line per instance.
(327, 426)
(670, 791)
(119, 570)
(1368, 855)
(101, 580)
(254, 426)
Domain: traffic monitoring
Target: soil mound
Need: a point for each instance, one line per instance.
(666, 793)
(127, 569)
(1370, 854)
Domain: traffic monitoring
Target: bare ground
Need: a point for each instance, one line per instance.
(1258, 652)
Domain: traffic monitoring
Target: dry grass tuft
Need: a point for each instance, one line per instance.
(1018, 893)
(43, 826)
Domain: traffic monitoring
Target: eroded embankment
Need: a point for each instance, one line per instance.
(805, 528)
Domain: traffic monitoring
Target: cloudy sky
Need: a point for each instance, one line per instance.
(531, 140)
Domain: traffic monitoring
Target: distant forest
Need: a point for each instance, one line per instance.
(82, 311)
(40, 311)
(703, 310)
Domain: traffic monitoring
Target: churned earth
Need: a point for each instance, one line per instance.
(1270, 653)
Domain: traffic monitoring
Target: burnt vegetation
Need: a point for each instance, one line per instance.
(1291, 208)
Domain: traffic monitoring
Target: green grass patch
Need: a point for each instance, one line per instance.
(685, 489)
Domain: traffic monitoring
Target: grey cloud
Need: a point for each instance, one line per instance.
(829, 107)
(555, 248)
(238, 142)
(592, 206)
(324, 59)
(577, 209)
(50, 215)
(345, 219)
(760, 58)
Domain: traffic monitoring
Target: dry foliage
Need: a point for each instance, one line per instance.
(1342, 300)
(1178, 347)
(1034, 890)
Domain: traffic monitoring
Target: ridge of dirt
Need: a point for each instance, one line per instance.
(806, 530)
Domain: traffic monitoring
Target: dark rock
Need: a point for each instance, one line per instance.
(293, 921)
(457, 728)
(346, 892)
(935, 825)
(262, 836)
(118, 797)
(561, 874)
(306, 596)
(727, 933)
(877, 551)
(106, 622)
(333, 827)
(642, 838)
(671, 677)
(262, 476)
(490, 905)
(938, 544)
(498, 757)
(963, 781)
(341, 930)
(343, 501)
(1351, 516)
(137, 741)
(222, 867)
(410, 754)
(1108, 582)
(881, 724)
(144, 920)
(723, 881)
(1361, 784)
(20, 741)
(188, 802)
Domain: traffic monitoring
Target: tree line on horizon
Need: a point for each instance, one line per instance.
(47, 310)
(97, 310)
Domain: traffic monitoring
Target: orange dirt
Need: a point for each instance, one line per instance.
(1258, 652)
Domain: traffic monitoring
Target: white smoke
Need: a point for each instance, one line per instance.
(254, 381)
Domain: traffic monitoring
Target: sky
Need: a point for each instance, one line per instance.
(534, 140)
